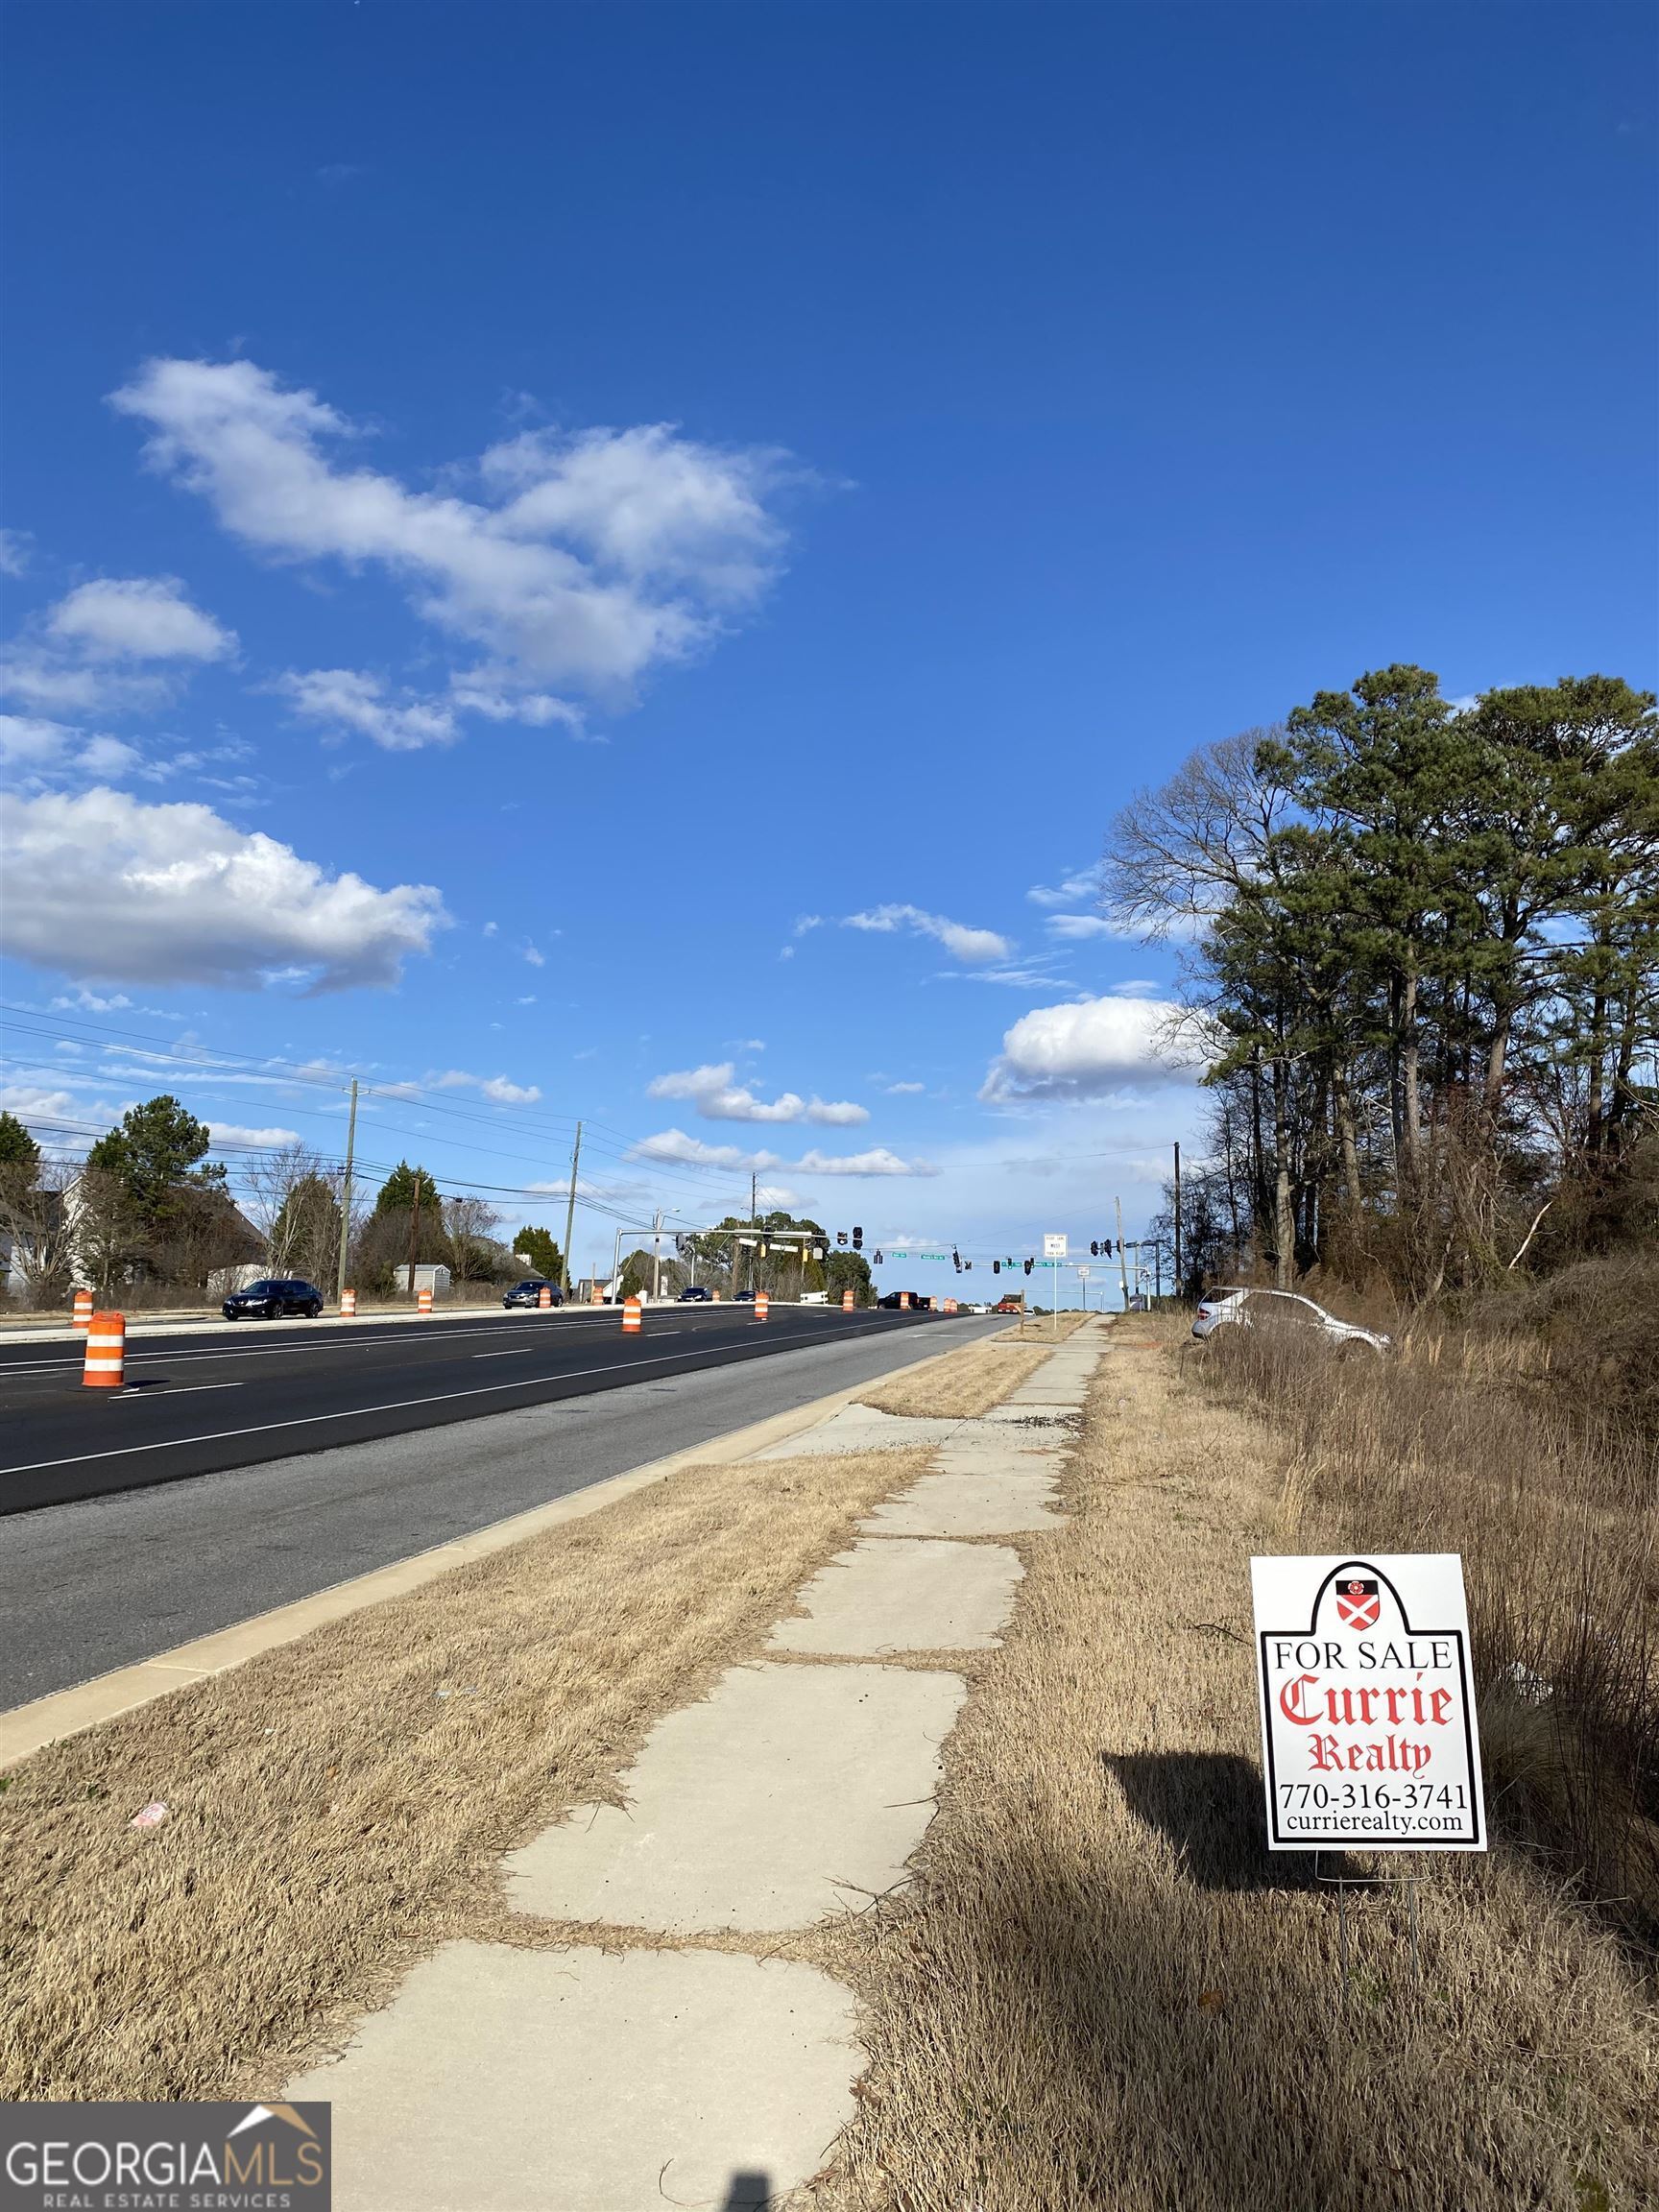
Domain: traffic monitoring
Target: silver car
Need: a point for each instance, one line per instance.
(1250, 1308)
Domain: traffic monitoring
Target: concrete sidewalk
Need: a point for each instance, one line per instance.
(610, 2076)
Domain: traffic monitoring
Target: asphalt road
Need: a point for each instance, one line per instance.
(264, 1463)
(261, 1390)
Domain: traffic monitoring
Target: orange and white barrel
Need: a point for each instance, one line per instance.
(763, 1304)
(847, 1301)
(950, 1304)
(424, 1300)
(630, 1316)
(716, 1296)
(106, 1366)
(83, 1314)
(543, 1296)
(348, 1305)
(598, 1296)
(903, 1301)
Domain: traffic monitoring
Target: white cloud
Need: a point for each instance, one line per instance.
(103, 886)
(79, 658)
(496, 1087)
(13, 552)
(32, 1102)
(674, 1145)
(1092, 1046)
(905, 1089)
(972, 946)
(1075, 887)
(139, 618)
(36, 680)
(351, 699)
(535, 958)
(718, 1097)
(41, 751)
(836, 1112)
(600, 555)
(482, 691)
(254, 1140)
(1081, 925)
(878, 1161)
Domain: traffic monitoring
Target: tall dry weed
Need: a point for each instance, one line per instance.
(1462, 1442)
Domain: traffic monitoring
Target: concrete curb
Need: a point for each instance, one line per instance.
(30, 1728)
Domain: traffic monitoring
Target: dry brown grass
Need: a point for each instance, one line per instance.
(1101, 1993)
(334, 1813)
(959, 1386)
(1487, 1445)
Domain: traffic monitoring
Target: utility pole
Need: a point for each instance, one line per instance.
(1122, 1256)
(1178, 1219)
(346, 1193)
(415, 1236)
(656, 1254)
(570, 1213)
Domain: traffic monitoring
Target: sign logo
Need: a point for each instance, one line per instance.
(1358, 1605)
(1368, 1727)
(164, 2157)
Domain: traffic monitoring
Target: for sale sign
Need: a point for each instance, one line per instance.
(1368, 1729)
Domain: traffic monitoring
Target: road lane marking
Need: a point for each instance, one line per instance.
(518, 1352)
(392, 1406)
(134, 1395)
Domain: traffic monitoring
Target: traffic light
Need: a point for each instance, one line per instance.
(1028, 1267)
(857, 1239)
(840, 1236)
(956, 1260)
(1094, 1248)
(878, 1259)
(968, 1265)
(996, 1266)
(1106, 1246)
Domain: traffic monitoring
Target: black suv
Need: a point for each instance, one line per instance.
(264, 1300)
(529, 1292)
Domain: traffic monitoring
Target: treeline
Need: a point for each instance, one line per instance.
(148, 1210)
(1424, 946)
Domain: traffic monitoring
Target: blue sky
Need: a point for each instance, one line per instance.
(620, 561)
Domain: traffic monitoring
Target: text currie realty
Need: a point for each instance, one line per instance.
(1368, 1725)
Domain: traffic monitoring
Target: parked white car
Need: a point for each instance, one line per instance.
(1249, 1308)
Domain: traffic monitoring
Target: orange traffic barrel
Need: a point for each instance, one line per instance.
(847, 1301)
(424, 1300)
(715, 1295)
(543, 1296)
(106, 1352)
(763, 1304)
(348, 1305)
(82, 1316)
(598, 1296)
(950, 1304)
(630, 1316)
(904, 1300)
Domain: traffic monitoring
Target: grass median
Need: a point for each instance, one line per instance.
(1101, 1992)
(961, 1385)
(338, 1806)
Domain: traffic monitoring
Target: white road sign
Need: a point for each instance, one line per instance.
(1369, 1738)
(1054, 1247)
